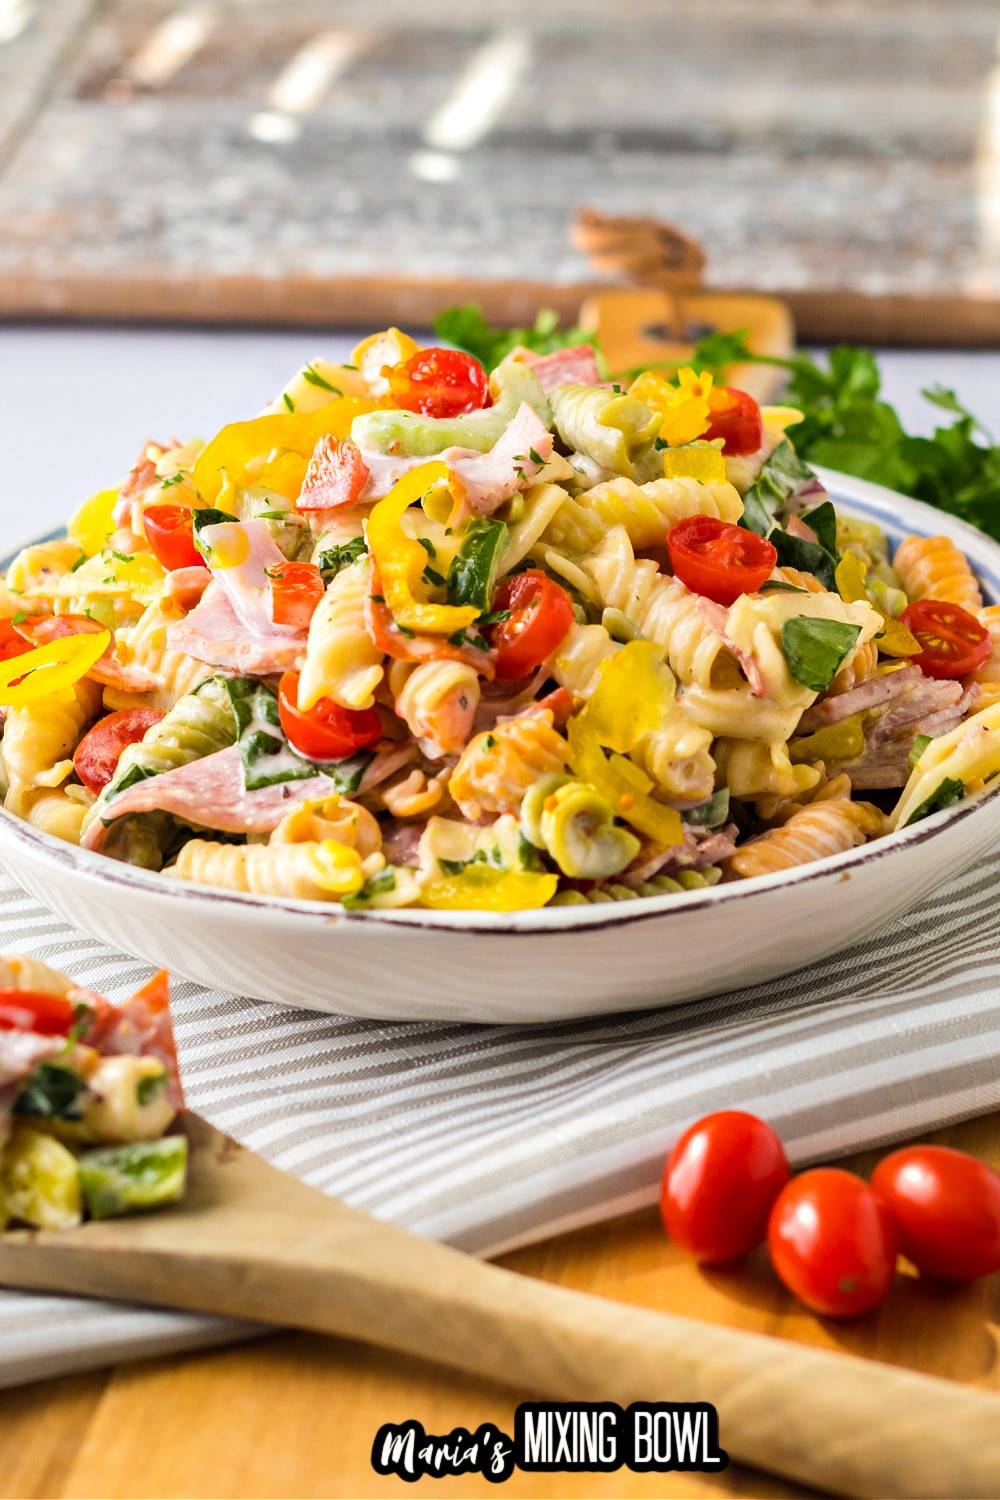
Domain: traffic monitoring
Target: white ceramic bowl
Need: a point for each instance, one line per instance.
(531, 966)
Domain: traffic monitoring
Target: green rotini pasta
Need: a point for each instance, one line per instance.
(659, 885)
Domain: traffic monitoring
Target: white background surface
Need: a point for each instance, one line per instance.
(77, 403)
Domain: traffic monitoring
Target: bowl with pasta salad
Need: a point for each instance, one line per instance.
(518, 694)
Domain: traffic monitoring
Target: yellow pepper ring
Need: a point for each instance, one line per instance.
(401, 560)
(50, 668)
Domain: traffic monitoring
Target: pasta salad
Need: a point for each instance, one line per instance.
(419, 635)
(88, 1091)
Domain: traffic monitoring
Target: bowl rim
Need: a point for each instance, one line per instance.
(546, 921)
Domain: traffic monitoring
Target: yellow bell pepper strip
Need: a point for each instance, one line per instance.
(894, 639)
(401, 560)
(700, 461)
(296, 433)
(624, 785)
(634, 692)
(684, 407)
(484, 888)
(51, 668)
(93, 522)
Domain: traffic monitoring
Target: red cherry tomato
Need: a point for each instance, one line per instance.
(833, 1242)
(12, 641)
(953, 641)
(735, 417)
(540, 615)
(96, 757)
(439, 383)
(296, 589)
(947, 1210)
(326, 731)
(719, 560)
(33, 1010)
(170, 533)
(719, 1184)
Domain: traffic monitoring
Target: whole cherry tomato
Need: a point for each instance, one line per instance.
(833, 1242)
(947, 1210)
(735, 417)
(12, 642)
(541, 613)
(719, 1184)
(96, 757)
(326, 731)
(718, 560)
(170, 533)
(953, 641)
(439, 383)
(296, 589)
(33, 1010)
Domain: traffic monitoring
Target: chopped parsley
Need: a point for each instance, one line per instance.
(79, 562)
(427, 545)
(313, 376)
(165, 484)
(288, 401)
(431, 576)
(493, 617)
(19, 618)
(536, 458)
(332, 559)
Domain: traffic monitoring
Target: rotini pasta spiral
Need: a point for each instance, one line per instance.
(815, 832)
(931, 567)
(755, 768)
(661, 610)
(497, 767)
(576, 662)
(39, 740)
(678, 756)
(43, 563)
(659, 885)
(438, 703)
(324, 871)
(612, 429)
(341, 662)
(144, 645)
(646, 511)
(55, 813)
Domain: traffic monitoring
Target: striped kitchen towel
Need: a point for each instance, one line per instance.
(489, 1137)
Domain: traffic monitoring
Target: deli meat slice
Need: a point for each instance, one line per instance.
(212, 633)
(141, 1027)
(210, 793)
(574, 366)
(487, 479)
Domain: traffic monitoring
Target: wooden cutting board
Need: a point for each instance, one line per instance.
(216, 161)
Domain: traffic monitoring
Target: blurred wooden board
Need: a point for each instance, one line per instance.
(843, 155)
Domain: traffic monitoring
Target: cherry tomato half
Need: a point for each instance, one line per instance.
(719, 1185)
(719, 560)
(169, 531)
(439, 383)
(833, 1242)
(946, 1205)
(540, 615)
(953, 641)
(33, 1010)
(296, 589)
(735, 417)
(12, 641)
(96, 757)
(326, 731)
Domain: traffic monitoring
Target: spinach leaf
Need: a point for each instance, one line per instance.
(473, 570)
(815, 649)
(264, 749)
(810, 557)
(378, 885)
(947, 794)
(782, 476)
(711, 814)
(52, 1092)
(332, 559)
(823, 520)
(917, 749)
(346, 774)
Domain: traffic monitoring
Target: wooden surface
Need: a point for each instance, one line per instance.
(294, 1415)
(841, 154)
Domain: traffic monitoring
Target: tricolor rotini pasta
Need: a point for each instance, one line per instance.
(423, 635)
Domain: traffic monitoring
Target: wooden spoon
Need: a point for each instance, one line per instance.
(252, 1242)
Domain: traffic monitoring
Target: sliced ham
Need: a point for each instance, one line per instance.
(106, 669)
(700, 848)
(241, 554)
(487, 479)
(716, 617)
(141, 1027)
(574, 366)
(336, 476)
(140, 477)
(866, 695)
(898, 707)
(186, 585)
(213, 633)
(210, 793)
